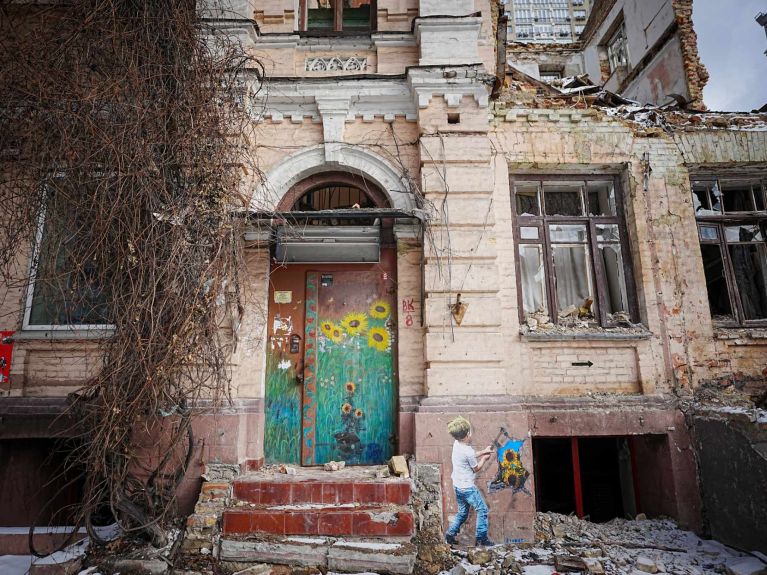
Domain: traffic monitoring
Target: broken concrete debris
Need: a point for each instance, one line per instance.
(398, 466)
(335, 465)
(566, 544)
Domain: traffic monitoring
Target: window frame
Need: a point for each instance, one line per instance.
(619, 32)
(338, 18)
(30, 295)
(722, 221)
(598, 275)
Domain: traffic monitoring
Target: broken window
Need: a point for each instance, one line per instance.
(732, 222)
(338, 16)
(573, 268)
(617, 49)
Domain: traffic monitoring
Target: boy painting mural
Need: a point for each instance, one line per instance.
(466, 464)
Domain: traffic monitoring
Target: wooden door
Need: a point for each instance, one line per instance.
(349, 397)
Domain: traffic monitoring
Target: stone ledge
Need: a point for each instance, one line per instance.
(741, 336)
(576, 336)
(504, 403)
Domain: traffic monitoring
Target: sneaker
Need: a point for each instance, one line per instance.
(451, 540)
(484, 542)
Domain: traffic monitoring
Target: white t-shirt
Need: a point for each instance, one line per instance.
(464, 462)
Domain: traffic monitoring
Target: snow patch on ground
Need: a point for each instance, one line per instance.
(21, 564)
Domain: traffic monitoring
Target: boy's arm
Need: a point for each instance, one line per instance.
(481, 461)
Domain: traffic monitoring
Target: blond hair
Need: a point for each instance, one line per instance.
(459, 427)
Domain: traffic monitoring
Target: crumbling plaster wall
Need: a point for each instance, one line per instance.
(571, 142)
(684, 348)
(646, 21)
(735, 352)
(665, 74)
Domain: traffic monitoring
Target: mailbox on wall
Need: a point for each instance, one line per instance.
(6, 354)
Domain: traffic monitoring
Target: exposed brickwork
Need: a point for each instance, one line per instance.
(328, 493)
(697, 75)
(329, 522)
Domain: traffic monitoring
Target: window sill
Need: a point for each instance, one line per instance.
(63, 334)
(586, 335)
(739, 334)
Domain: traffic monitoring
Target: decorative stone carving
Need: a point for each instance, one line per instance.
(337, 64)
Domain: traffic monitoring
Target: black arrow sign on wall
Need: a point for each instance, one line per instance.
(582, 363)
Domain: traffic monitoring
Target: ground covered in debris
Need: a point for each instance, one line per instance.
(568, 544)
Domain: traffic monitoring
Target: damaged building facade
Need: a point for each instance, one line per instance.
(439, 232)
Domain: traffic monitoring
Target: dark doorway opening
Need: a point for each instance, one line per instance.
(586, 476)
(36, 485)
(554, 475)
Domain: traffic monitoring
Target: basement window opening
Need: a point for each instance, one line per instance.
(454, 118)
(588, 476)
(36, 483)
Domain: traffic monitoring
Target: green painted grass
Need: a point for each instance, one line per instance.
(282, 432)
(371, 371)
(351, 360)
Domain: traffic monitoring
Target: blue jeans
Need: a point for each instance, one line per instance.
(469, 498)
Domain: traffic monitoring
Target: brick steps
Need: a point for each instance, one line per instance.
(317, 504)
(259, 492)
(330, 521)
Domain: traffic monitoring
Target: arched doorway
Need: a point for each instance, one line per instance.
(331, 369)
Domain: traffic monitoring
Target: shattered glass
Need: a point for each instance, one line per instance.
(749, 264)
(563, 198)
(601, 197)
(528, 199)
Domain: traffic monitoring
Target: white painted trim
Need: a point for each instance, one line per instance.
(310, 161)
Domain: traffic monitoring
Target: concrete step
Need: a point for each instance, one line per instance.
(390, 556)
(341, 491)
(329, 520)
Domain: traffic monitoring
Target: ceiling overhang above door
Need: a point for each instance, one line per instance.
(327, 236)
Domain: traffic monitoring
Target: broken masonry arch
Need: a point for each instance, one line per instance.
(272, 194)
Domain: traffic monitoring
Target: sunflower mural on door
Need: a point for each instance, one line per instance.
(349, 399)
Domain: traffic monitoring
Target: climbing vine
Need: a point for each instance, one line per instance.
(123, 151)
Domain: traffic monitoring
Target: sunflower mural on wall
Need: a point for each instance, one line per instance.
(355, 374)
(511, 472)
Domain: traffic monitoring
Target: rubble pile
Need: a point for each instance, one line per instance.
(735, 395)
(566, 544)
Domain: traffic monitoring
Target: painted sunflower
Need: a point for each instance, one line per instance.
(380, 309)
(359, 413)
(355, 323)
(336, 335)
(346, 408)
(350, 387)
(378, 338)
(327, 328)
